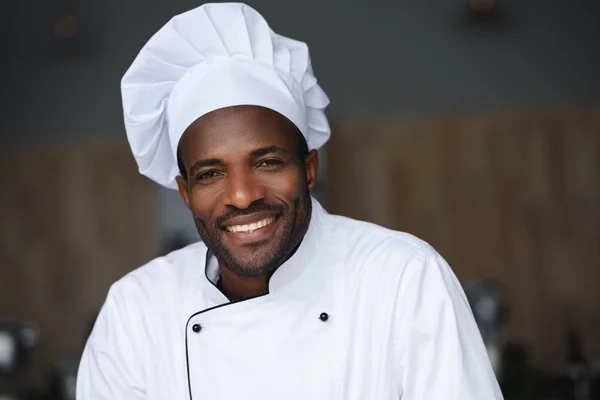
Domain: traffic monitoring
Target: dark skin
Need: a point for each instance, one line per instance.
(245, 168)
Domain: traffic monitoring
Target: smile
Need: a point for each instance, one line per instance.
(249, 228)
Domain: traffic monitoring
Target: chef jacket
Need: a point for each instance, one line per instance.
(358, 312)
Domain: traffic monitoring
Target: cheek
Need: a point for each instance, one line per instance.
(289, 184)
(201, 206)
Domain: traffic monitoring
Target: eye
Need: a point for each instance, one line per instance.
(271, 162)
(206, 175)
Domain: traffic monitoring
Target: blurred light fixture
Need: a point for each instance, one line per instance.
(66, 26)
(482, 6)
(17, 339)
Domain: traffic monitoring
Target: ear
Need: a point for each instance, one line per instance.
(311, 166)
(183, 190)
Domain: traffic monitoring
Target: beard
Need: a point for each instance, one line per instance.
(260, 258)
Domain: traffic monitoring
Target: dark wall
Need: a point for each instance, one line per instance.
(374, 58)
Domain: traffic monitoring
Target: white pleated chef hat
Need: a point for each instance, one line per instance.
(215, 56)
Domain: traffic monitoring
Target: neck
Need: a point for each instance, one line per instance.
(239, 288)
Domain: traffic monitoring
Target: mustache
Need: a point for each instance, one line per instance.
(254, 207)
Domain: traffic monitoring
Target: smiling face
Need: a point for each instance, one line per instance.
(248, 186)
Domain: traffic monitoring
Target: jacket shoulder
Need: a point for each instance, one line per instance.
(369, 238)
(162, 274)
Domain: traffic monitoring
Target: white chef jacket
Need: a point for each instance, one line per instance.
(358, 312)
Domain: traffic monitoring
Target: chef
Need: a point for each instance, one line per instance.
(280, 300)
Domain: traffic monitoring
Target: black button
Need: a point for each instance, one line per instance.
(324, 317)
(196, 328)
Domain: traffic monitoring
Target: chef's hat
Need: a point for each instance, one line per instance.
(215, 56)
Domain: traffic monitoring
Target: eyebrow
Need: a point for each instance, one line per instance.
(211, 162)
(208, 162)
(268, 150)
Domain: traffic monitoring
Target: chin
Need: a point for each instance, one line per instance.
(254, 262)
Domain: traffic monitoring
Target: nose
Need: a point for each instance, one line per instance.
(242, 190)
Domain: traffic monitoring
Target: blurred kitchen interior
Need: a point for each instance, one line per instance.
(473, 126)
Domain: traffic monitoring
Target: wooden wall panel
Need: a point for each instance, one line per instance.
(513, 197)
(74, 220)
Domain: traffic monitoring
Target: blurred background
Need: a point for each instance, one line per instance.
(474, 125)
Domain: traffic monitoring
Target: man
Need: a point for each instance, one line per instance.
(280, 300)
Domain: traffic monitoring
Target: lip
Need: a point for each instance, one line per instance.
(249, 219)
(259, 235)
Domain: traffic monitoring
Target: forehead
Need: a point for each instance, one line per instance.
(236, 130)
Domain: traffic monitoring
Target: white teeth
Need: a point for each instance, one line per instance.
(249, 228)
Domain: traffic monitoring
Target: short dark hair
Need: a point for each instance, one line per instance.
(302, 148)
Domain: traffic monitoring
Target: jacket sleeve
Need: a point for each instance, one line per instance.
(111, 366)
(440, 350)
